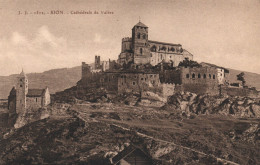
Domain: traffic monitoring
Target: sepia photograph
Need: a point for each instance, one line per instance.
(130, 82)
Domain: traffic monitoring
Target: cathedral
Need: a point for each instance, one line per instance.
(22, 97)
(139, 50)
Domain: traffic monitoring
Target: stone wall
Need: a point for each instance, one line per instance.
(199, 80)
(241, 92)
(33, 102)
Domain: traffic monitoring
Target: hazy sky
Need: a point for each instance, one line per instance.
(223, 32)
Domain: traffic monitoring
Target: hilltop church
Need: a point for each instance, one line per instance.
(140, 50)
(22, 98)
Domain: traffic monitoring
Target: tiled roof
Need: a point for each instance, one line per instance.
(141, 24)
(213, 65)
(35, 92)
(164, 43)
(128, 150)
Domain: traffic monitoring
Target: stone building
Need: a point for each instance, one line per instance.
(22, 98)
(222, 73)
(140, 50)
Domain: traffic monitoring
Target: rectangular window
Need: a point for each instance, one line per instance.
(133, 83)
(36, 99)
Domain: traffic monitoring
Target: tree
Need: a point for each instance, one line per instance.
(189, 63)
(241, 78)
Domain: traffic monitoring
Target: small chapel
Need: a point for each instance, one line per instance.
(21, 97)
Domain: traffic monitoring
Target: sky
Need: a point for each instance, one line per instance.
(222, 32)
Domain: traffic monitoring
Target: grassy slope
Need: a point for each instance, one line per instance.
(252, 79)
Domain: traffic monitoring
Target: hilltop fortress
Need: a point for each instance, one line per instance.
(161, 68)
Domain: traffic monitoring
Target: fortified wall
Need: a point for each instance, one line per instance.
(237, 91)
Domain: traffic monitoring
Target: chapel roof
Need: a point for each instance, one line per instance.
(35, 92)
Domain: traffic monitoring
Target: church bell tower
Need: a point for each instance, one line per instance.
(140, 43)
(21, 92)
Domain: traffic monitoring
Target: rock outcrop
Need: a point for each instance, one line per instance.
(190, 103)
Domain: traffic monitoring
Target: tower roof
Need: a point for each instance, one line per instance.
(140, 24)
(22, 74)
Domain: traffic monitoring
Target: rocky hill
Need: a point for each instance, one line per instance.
(56, 80)
(91, 133)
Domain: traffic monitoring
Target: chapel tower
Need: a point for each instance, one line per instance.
(21, 92)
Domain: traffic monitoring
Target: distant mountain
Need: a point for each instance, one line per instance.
(55, 79)
(60, 79)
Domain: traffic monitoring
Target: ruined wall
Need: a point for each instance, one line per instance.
(200, 80)
(12, 101)
(126, 44)
(167, 89)
(109, 81)
(171, 76)
(137, 82)
(46, 100)
(241, 92)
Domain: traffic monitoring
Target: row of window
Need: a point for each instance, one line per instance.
(134, 83)
(161, 56)
(154, 49)
(124, 76)
(199, 76)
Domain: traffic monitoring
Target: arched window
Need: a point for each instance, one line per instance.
(141, 51)
(144, 36)
(204, 76)
(193, 75)
(213, 76)
(153, 48)
(138, 36)
(172, 49)
(210, 76)
(199, 75)
(187, 76)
